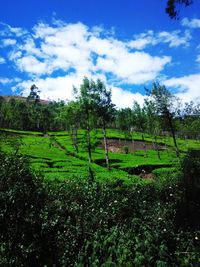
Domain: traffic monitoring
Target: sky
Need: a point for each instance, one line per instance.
(127, 44)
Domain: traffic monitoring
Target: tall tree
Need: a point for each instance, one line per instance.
(34, 98)
(87, 100)
(72, 115)
(151, 118)
(105, 112)
(139, 116)
(125, 121)
(34, 94)
(140, 121)
(167, 106)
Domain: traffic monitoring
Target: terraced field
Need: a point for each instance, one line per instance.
(54, 156)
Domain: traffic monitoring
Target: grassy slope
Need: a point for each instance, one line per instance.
(55, 163)
(55, 156)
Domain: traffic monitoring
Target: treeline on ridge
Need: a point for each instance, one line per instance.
(34, 114)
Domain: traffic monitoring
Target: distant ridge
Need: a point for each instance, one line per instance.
(23, 98)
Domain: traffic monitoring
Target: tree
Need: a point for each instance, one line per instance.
(139, 116)
(2, 104)
(8, 113)
(97, 109)
(151, 118)
(140, 121)
(34, 94)
(35, 98)
(172, 9)
(167, 107)
(22, 115)
(105, 112)
(152, 121)
(87, 100)
(124, 121)
(20, 222)
(191, 119)
(72, 113)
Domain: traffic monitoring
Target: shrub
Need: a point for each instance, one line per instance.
(21, 200)
(76, 223)
(189, 209)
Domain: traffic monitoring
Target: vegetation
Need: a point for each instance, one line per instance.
(133, 203)
(75, 223)
(172, 7)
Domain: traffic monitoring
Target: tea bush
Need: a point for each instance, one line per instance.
(21, 202)
(190, 183)
(76, 223)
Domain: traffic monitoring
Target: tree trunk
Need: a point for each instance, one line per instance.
(38, 123)
(173, 134)
(75, 139)
(89, 141)
(144, 145)
(106, 146)
(133, 142)
(157, 148)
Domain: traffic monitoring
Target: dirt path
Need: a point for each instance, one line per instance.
(117, 145)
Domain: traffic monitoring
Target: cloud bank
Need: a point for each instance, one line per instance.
(57, 56)
(193, 23)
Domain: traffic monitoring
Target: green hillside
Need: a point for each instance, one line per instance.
(54, 156)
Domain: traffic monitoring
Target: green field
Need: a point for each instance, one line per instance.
(54, 156)
(145, 208)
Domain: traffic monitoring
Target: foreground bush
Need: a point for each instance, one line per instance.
(21, 202)
(74, 223)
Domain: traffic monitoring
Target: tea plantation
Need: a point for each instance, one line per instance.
(144, 211)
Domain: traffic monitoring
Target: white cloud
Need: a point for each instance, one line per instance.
(7, 42)
(2, 60)
(29, 47)
(62, 88)
(188, 87)
(32, 65)
(55, 88)
(193, 23)
(51, 88)
(123, 98)
(173, 39)
(56, 57)
(67, 47)
(141, 43)
(11, 31)
(134, 68)
(5, 80)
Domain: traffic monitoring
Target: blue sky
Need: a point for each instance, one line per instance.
(128, 44)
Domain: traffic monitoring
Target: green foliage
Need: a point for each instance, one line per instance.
(75, 223)
(40, 115)
(34, 94)
(21, 201)
(34, 115)
(114, 218)
(55, 156)
(164, 171)
(172, 7)
(191, 185)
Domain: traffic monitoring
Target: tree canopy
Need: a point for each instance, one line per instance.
(172, 7)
